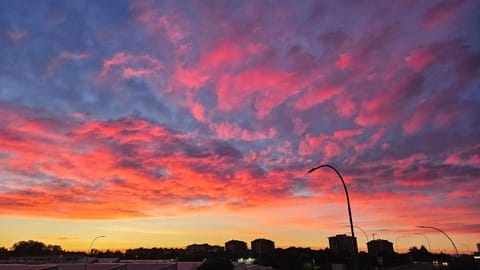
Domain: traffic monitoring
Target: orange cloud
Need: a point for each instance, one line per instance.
(125, 156)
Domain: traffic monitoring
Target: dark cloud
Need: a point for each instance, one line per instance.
(225, 150)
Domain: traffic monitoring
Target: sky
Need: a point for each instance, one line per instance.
(168, 123)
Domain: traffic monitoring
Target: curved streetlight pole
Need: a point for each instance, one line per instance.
(89, 250)
(404, 236)
(426, 238)
(362, 230)
(349, 209)
(364, 233)
(437, 229)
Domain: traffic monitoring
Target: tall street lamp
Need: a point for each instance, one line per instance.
(349, 209)
(90, 249)
(437, 229)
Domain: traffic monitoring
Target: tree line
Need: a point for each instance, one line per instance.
(282, 259)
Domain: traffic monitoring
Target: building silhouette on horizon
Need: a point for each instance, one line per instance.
(262, 246)
(236, 247)
(343, 245)
(380, 247)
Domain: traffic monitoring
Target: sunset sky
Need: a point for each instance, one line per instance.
(167, 123)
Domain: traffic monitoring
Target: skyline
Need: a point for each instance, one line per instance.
(170, 123)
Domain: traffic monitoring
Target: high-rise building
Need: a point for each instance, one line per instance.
(343, 245)
(263, 246)
(379, 247)
(236, 247)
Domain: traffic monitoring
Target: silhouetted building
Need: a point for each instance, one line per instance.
(236, 247)
(202, 248)
(132, 265)
(476, 255)
(343, 245)
(380, 247)
(263, 246)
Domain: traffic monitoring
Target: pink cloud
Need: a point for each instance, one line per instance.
(406, 164)
(126, 154)
(343, 61)
(219, 58)
(191, 78)
(441, 12)
(473, 160)
(16, 34)
(387, 105)
(87, 146)
(131, 65)
(266, 85)
(299, 127)
(422, 115)
(345, 106)
(342, 141)
(198, 111)
(222, 54)
(345, 133)
(461, 193)
(311, 145)
(420, 58)
(427, 115)
(64, 57)
(414, 182)
(332, 150)
(447, 118)
(169, 25)
(228, 131)
(371, 141)
(314, 97)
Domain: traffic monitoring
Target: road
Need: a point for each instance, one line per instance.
(418, 266)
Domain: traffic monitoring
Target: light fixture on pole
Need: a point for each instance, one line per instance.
(89, 250)
(349, 209)
(437, 229)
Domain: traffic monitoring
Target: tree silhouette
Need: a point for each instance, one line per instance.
(30, 248)
(216, 264)
(304, 262)
(3, 253)
(421, 254)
